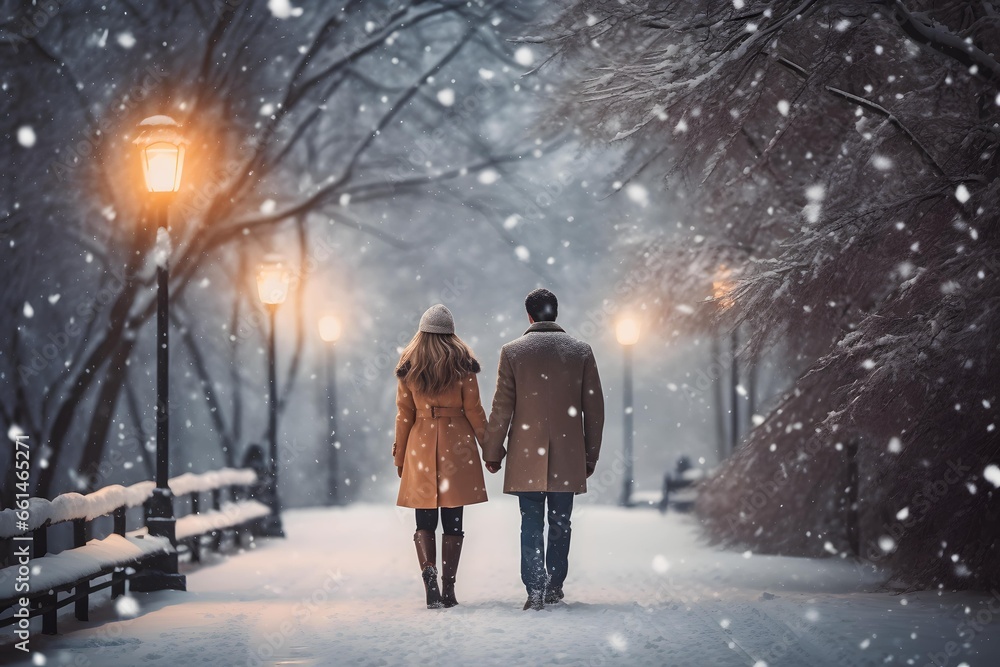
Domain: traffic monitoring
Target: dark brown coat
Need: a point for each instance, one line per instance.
(549, 406)
(440, 460)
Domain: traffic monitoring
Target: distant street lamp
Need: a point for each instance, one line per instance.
(627, 332)
(329, 331)
(722, 287)
(161, 151)
(273, 280)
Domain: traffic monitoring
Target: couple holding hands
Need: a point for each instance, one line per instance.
(548, 407)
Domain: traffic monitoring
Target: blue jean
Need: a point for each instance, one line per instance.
(544, 567)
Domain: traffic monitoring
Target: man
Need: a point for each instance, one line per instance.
(550, 408)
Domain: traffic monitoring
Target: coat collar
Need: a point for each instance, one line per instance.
(544, 326)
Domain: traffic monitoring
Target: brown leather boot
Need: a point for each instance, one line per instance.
(451, 552)
(427, 557)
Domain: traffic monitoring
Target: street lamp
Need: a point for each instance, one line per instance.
(161, 152)
(329, 331)
(722, 288)
(273, 280)
(627, 332)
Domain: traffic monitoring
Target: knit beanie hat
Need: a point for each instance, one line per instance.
(437, 320)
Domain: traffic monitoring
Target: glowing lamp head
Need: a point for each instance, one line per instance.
(627, 331)
(273, 280)
(722, 287)
(329, 328)
(161, 147)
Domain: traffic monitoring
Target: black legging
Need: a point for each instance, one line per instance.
(451, 520)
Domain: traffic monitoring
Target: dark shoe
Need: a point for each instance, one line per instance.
(451, 553)
(535, 601)
(427, 557)
(554, 595)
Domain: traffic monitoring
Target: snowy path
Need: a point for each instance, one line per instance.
(343, 589)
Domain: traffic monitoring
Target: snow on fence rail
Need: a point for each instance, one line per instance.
(213, 479)
(97, 557)
(71, 506)
(72, 575)
(229, 514)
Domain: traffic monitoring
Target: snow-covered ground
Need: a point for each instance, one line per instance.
(344, 589)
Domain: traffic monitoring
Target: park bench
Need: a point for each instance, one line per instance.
(59, 579)
(680, 487)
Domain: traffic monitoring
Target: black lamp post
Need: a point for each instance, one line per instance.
(627, 332)
(273, 280)
(722, 287)
(161, 148)
(329, 331)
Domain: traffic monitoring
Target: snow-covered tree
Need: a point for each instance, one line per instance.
(319, 130)
(840, 159)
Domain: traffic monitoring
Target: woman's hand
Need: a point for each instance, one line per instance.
(399, 471)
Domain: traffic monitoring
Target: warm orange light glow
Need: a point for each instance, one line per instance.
(272, 282)
(329, 328)
(627, 331)
(162, 152)
(722, 287)
(162, 166)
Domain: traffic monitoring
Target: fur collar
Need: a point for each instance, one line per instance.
(473, 367)
(544, 326)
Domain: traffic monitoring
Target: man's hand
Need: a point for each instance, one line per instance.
(591, 466)
(399, 471)
(493, 466)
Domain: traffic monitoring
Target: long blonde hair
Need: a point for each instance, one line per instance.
(433, 362)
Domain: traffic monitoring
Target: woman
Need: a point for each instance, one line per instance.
(439, 419)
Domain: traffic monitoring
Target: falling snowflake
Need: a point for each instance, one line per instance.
(282, 9)
(660, 564)
(637, 193)
(127, 607)
(446, 96)
(618, 642)
(882, 163)
(26, 136)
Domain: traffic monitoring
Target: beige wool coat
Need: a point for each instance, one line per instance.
(436, 444)
(549, 407)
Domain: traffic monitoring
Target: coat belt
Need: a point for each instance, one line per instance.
(435, 412)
